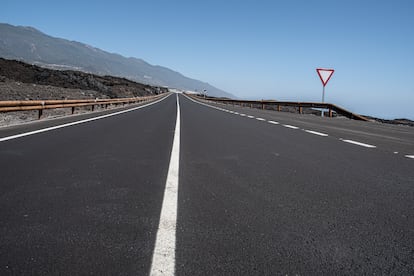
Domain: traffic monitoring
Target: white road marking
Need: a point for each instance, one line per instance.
(410, 156)
(358, 143)
(77, 122)
(260, 119)
(292, 127)
(242, 114)
(251, 117)
(237, 113)
(163, 258)
(273, 122)
(316, 133)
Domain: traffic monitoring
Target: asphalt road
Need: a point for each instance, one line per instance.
(269, 194)
(85, 199)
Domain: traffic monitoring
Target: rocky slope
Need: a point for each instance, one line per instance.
(21, 81)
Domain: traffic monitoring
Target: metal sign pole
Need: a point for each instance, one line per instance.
(323, 99)
(323, 94)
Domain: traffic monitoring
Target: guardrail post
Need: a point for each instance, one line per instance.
(93, 107)
(300, 110)
(73, 110)
(41, 110)
(278, 107)
(263, 106)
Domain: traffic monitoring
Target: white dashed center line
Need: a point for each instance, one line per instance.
(411, 156)
(292, 127)
(358, 143)
(316, 133)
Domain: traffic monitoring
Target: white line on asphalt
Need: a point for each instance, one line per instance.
(292, 127)
(251, 117)
(273, 122)
(77, 122)
(260, 119)
(410, 156)
(242, 114)
(316, 133)
(358, 143)
(211, 106)
(237, 113)
(163, 258)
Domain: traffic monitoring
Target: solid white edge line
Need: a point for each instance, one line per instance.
(163, 258)
(290, 126)
(197, 102)
(410, 156)
(78, 122)
(358, 143)
(316, 133)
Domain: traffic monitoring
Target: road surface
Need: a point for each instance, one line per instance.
(239, 191)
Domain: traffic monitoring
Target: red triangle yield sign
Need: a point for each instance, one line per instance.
(325, 74)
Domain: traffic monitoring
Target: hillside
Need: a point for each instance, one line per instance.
(21, 81)
(32, 46)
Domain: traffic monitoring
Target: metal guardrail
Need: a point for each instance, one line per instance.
(11, 106)
(278, 105)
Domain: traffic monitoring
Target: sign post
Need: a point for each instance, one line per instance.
(325, 75)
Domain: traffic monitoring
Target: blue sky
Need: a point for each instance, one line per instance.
(254, 49)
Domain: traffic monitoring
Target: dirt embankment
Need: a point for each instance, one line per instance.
(21, 81)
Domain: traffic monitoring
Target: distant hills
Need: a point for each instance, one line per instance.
(30, 45)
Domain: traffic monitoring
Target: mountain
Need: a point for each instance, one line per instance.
(30, 45)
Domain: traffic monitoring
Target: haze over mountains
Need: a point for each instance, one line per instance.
(30, 45)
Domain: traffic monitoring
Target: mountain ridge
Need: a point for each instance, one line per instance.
(30, 45)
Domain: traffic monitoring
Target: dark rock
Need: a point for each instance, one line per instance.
(107, 86)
